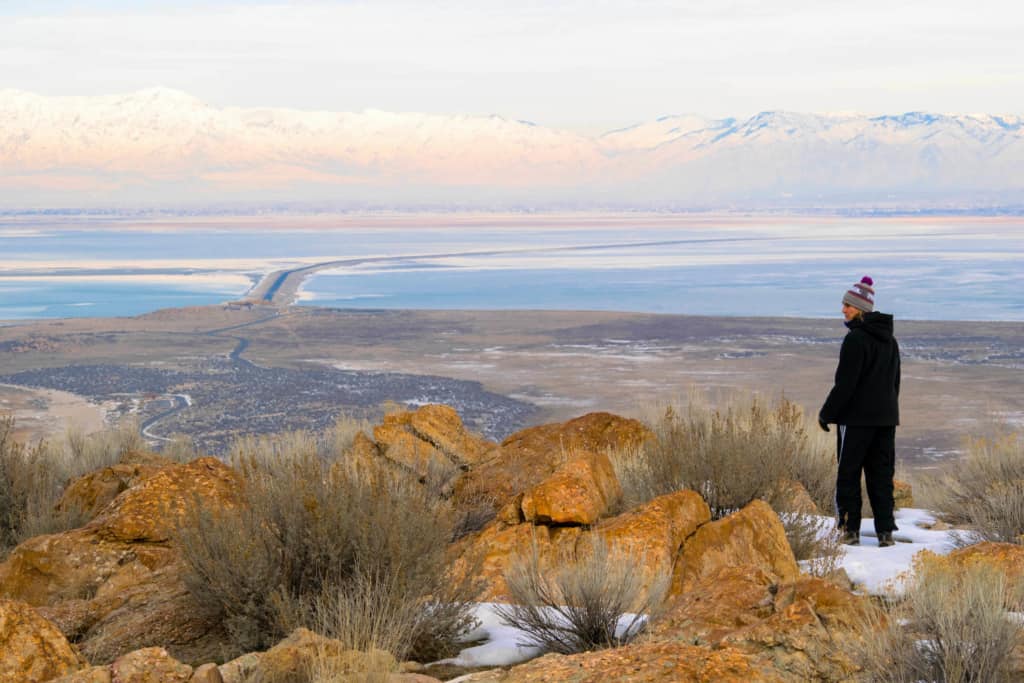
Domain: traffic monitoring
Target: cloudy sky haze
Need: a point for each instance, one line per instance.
(588, 66)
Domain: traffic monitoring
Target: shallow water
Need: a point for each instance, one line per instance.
(945, 269)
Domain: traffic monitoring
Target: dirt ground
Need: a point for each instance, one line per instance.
(958, 378)
(47, 413)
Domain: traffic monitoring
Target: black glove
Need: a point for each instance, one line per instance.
(822, 424)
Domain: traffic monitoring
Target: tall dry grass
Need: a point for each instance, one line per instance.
(985, 492)
(746, 449)
(952, 626)
(33, 477)
(354, 549)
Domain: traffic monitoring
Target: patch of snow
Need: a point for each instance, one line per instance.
(504, 644)
(880, 571)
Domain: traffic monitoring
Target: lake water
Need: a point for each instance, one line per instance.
(940, 268)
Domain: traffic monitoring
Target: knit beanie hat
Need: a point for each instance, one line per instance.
(862, 295)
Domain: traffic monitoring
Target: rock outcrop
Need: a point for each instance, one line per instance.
(580, 491)
(1007, 557)
(737, 607)
(753, 536)
(429, 440)
(89, 494)
(530, 456)
(303, 651)
(651, 535)
(116, 585)
(664, 662)
(31, 648)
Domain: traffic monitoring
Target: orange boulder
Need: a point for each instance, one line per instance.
(31, 648)
(94, 491)
(529, 456)
(580, 491)
(150, 511)
(752, 536)
(651, 535)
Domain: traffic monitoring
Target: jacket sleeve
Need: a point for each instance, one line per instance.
(899, 369)
(851, 362)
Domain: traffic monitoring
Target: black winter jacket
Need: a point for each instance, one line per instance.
(867, 387)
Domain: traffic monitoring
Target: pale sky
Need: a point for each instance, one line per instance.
(589, 66)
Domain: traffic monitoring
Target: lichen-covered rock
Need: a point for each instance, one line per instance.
(580, 491)
(149, 665)
(31, 648)
(651, 535)
(723, 601)
(156, 609)
(903, 494)
(240, 669)
(73, 565)
(441, 426)
(529, 456)
(363, 448)
(488, 555)
(116, 585)
(206, 673)
(753, 536)
(94, 674)
(291, 660)
(429, 439)
(150, 511)
(649, 662)
(1007, 557)
(792, 496)
(92, 492)
(799, 636)
(789, 626)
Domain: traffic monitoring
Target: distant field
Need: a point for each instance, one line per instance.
(503, 369)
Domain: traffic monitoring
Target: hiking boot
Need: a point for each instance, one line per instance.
(850, 538)
(885, 539)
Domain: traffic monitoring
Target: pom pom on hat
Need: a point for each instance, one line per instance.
(862, 295)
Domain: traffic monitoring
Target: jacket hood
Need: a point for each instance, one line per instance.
(878, 325)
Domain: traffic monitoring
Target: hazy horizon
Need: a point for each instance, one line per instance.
(560, 64)
(561, 105)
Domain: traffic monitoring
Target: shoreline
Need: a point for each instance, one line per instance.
(708, 264)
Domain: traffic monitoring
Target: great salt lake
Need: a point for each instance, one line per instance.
(936, 268)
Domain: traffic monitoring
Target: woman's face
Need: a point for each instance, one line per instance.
(849, 312)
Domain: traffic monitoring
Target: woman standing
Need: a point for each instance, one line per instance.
(864, 406)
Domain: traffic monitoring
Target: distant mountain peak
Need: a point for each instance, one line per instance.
(162, 143)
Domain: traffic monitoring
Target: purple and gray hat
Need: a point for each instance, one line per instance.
(862, 295)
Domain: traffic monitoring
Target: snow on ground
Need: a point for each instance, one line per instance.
(504, 644)
(877, 570)
(873, 570)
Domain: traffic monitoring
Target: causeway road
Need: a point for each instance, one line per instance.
(280, 288)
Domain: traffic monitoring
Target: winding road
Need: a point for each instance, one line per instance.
(181, 401)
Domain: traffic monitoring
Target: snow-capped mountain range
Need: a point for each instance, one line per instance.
(165, 145)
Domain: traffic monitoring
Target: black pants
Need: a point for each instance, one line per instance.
(871, 450)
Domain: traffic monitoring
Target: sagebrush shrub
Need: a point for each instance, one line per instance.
(814, 540)
(951, 625)
(313, 532)
(585, 603)
(745, 450)
(986, 490)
